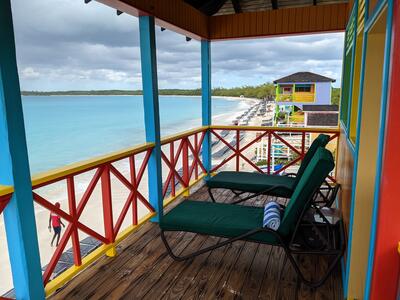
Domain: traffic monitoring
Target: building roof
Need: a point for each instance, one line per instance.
(304, 77)
(321, 107)
(325, 119)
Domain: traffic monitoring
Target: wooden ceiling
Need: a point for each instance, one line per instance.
(227, 7)
(238, 19)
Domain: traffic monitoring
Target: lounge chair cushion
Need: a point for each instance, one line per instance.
(256, 182)
(217, 219)
(314, 175)
(321, 141)
(253, 182)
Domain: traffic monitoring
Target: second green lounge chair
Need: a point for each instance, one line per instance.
(296, 234)
(259, 183)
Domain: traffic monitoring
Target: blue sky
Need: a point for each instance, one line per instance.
(69, 45)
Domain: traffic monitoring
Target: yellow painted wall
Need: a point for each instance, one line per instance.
(356, 88)
(365, 184)
(303, 97)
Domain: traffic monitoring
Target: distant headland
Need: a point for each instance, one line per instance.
(259, 91)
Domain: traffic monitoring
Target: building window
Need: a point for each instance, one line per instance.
(306, 88)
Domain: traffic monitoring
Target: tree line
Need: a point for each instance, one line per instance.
(259, 91)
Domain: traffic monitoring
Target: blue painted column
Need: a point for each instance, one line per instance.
(14, 170)
(151, 110)
(206, 101)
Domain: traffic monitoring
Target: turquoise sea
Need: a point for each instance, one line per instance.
(66, 129)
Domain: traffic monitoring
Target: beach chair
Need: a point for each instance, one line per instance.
(297, 234)
(273, 185)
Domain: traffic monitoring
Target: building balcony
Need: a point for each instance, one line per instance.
(298, 97)
(122, 254)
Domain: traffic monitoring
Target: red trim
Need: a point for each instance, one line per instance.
(3, 202)
(238, 152)
(72, 210)
(102, 174)
(386, 270)
(107, 204)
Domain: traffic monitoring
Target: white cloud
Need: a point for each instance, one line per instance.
(78, 46)
(29, 73)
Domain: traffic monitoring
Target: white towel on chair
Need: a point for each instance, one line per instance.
(272, 215)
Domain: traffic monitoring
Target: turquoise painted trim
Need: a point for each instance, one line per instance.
(381, 143)
(356, 152)
(151, 111)
(375, 14)
(206, 101)
(19, 215)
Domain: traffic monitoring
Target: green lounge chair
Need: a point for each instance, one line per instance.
(238, 222)
(273, 185)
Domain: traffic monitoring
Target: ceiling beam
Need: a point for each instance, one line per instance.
(314, 2)
(274, 4)
(309, 20)
(236, 6)
(168, 15)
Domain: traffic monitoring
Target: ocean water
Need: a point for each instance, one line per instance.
(65, 129)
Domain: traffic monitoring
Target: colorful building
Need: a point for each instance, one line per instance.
(303, 88)
(367, 167)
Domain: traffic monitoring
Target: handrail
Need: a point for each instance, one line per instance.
(86, 165)
(278, 129)
(183, 134)
(6, 190)
(187, 144)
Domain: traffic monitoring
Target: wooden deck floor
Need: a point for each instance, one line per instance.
(243, 270)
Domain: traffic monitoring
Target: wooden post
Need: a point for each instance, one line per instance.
(19, 215)
(151, 111)
(107, 210)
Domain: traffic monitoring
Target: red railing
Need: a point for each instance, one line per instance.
(103, 169)
(181, 156)
(237, 147)
(4, 199)
(182, 167)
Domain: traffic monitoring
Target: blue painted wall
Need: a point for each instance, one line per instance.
(323, 92)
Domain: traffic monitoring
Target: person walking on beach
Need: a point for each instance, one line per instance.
(55, 222)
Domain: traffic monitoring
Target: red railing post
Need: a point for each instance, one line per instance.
(185, 166)
(72, 210)
(237, 150)
(172, 160)
(135, 185)
(303, 144)
(107, 209)
(196, 149)
(269, 152)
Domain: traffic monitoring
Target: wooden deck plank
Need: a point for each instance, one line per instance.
(233, 285)
(252, 283)
(242, 270)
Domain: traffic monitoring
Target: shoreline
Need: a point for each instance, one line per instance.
(233, 98)
(57, 192)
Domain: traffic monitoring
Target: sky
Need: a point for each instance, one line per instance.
(69, 45)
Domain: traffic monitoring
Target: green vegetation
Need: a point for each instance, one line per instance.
(335, 97)
(259, 91)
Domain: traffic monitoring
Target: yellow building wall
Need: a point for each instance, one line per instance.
(366, 168)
